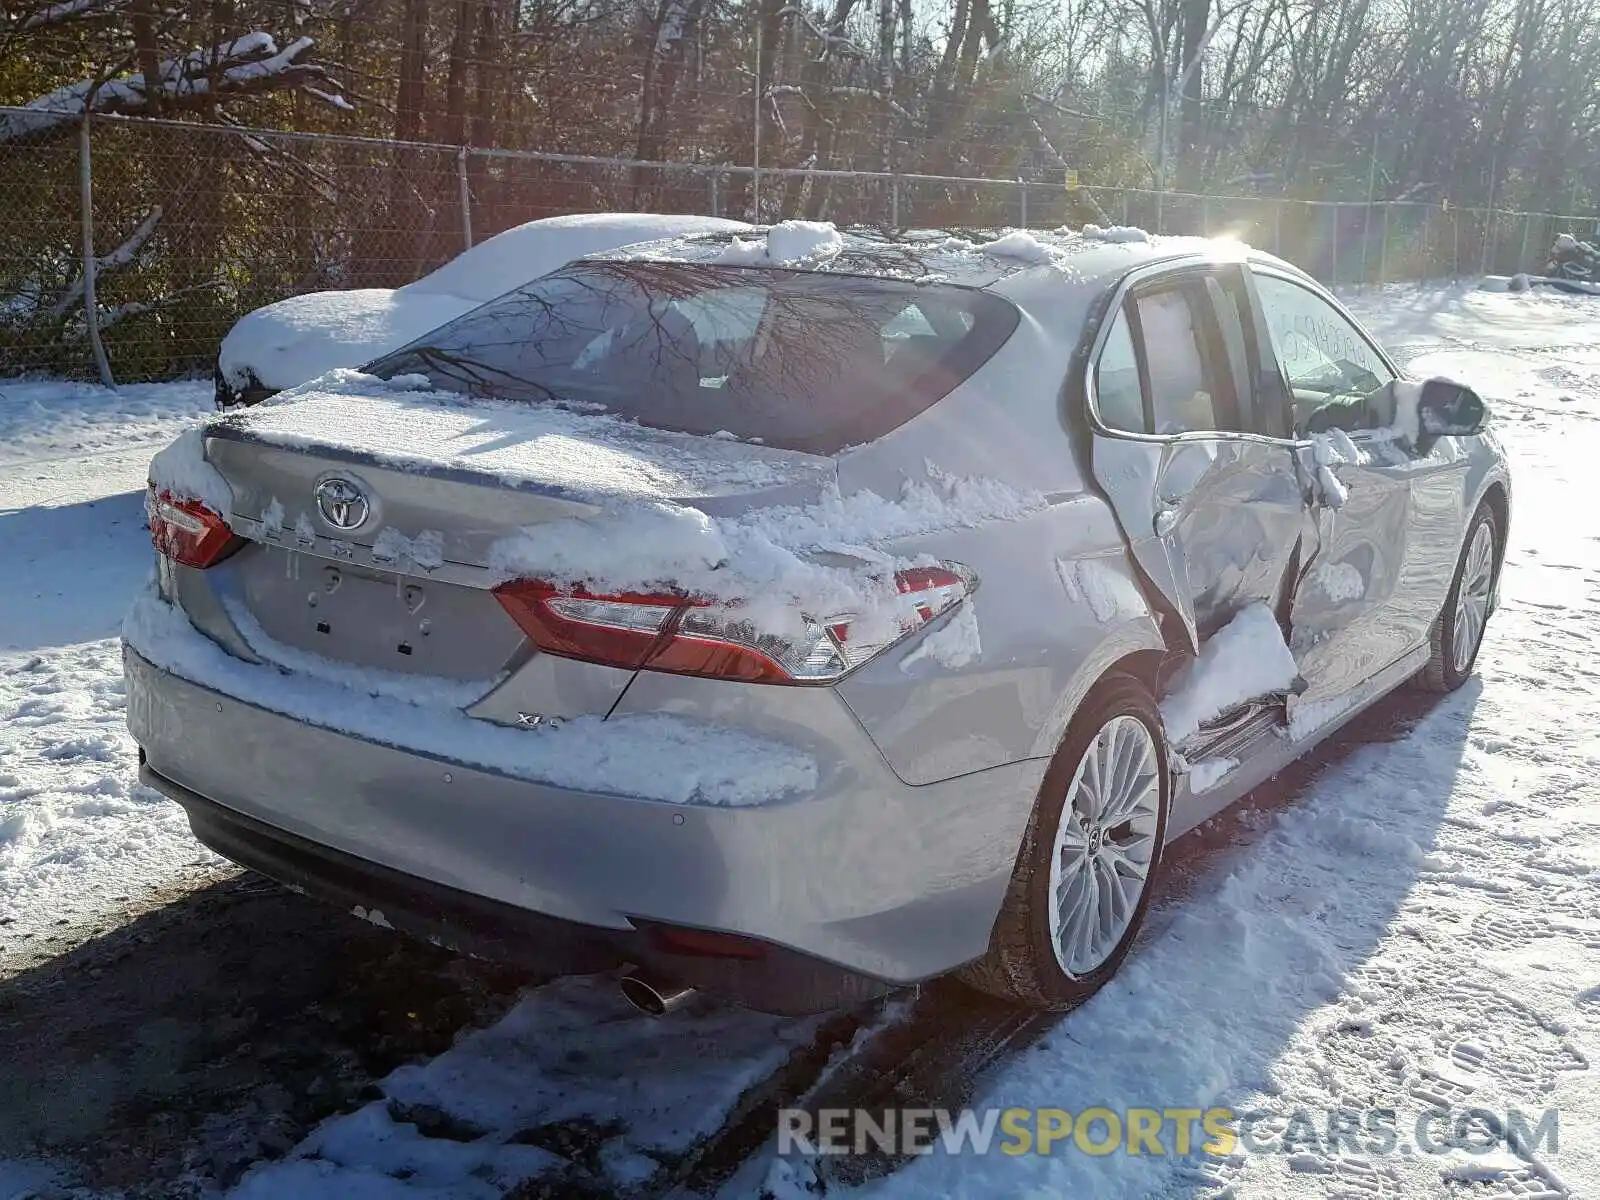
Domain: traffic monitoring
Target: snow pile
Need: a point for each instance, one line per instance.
(955, 645)
(182, 471)
(1328, 452)
(1244, 660)
(1115, 233)
(298, 339)
(647, 757)
(523, 253)
(1203, 776)
(788, 243)
(765, 563)
(1338, 581)
(44, 418)
(572, 1055)
(425, 550)
(1022, 246)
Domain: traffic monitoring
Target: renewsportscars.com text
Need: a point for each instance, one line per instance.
(1178, 1131)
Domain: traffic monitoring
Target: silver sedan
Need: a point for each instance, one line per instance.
(801, 615)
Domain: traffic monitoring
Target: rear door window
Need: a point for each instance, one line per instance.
(803, 360)
(1182, 393)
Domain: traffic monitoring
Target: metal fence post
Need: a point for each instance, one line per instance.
(1333, 271)
(894, 203)
(1427, 242)
(1383, 248)
(464, 190)
(1023, 188)
(1527, 230)
(1277, 228)
(716, 199)
(1205, 216)
(91, 306)
(1455, 246)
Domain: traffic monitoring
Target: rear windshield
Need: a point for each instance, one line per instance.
(796, 359)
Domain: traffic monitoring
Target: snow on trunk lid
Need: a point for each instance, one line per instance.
(442, 478)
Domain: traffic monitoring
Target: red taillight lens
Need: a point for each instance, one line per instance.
(677, 634)
(186, 531)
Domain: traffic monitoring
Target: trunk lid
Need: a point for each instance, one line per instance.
(372, 515)
(467, 473)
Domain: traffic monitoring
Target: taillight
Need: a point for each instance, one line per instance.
(688, 636)
(186, 531)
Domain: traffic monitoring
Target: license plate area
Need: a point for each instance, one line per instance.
(368, 618)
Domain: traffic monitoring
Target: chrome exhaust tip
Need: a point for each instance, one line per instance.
(653, 996)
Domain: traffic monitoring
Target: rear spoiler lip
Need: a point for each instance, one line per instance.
(233, 431)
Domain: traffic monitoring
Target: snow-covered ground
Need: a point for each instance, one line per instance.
(1418, 927)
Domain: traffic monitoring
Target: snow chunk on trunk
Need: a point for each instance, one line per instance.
(1244, 660)
(823, 559)
(788, 243)
(182, 470)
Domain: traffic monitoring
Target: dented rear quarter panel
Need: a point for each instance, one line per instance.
(1058, 601)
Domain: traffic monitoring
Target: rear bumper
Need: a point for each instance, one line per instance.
(863, 884)
(781, 982)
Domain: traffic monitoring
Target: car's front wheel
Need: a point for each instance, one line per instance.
(1082, 880)
(1458, 633)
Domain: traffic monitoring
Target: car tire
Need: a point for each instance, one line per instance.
(1457, 633)
(1032, 946)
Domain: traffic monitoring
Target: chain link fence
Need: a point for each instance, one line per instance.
(195, 225)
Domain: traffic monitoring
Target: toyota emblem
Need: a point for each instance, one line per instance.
(342, 504)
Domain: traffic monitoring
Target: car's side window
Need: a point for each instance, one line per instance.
(1182, 396)
(1116, 380)
(1333, 372)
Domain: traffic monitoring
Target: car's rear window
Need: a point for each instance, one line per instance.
(797, 359)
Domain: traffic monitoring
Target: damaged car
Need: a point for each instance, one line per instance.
(796, 615)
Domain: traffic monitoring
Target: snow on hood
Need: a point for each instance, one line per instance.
(297, 339)
(510, 259)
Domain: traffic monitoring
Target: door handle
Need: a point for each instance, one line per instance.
(1166, 519)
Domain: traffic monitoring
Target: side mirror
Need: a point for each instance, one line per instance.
(1447, 409)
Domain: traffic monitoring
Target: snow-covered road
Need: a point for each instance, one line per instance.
(1417, 926)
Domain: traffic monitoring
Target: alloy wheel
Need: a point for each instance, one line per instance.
(1105, 843)
(1472, 598)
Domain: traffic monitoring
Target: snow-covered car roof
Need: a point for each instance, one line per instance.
(1024, 265)
(286, 343)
